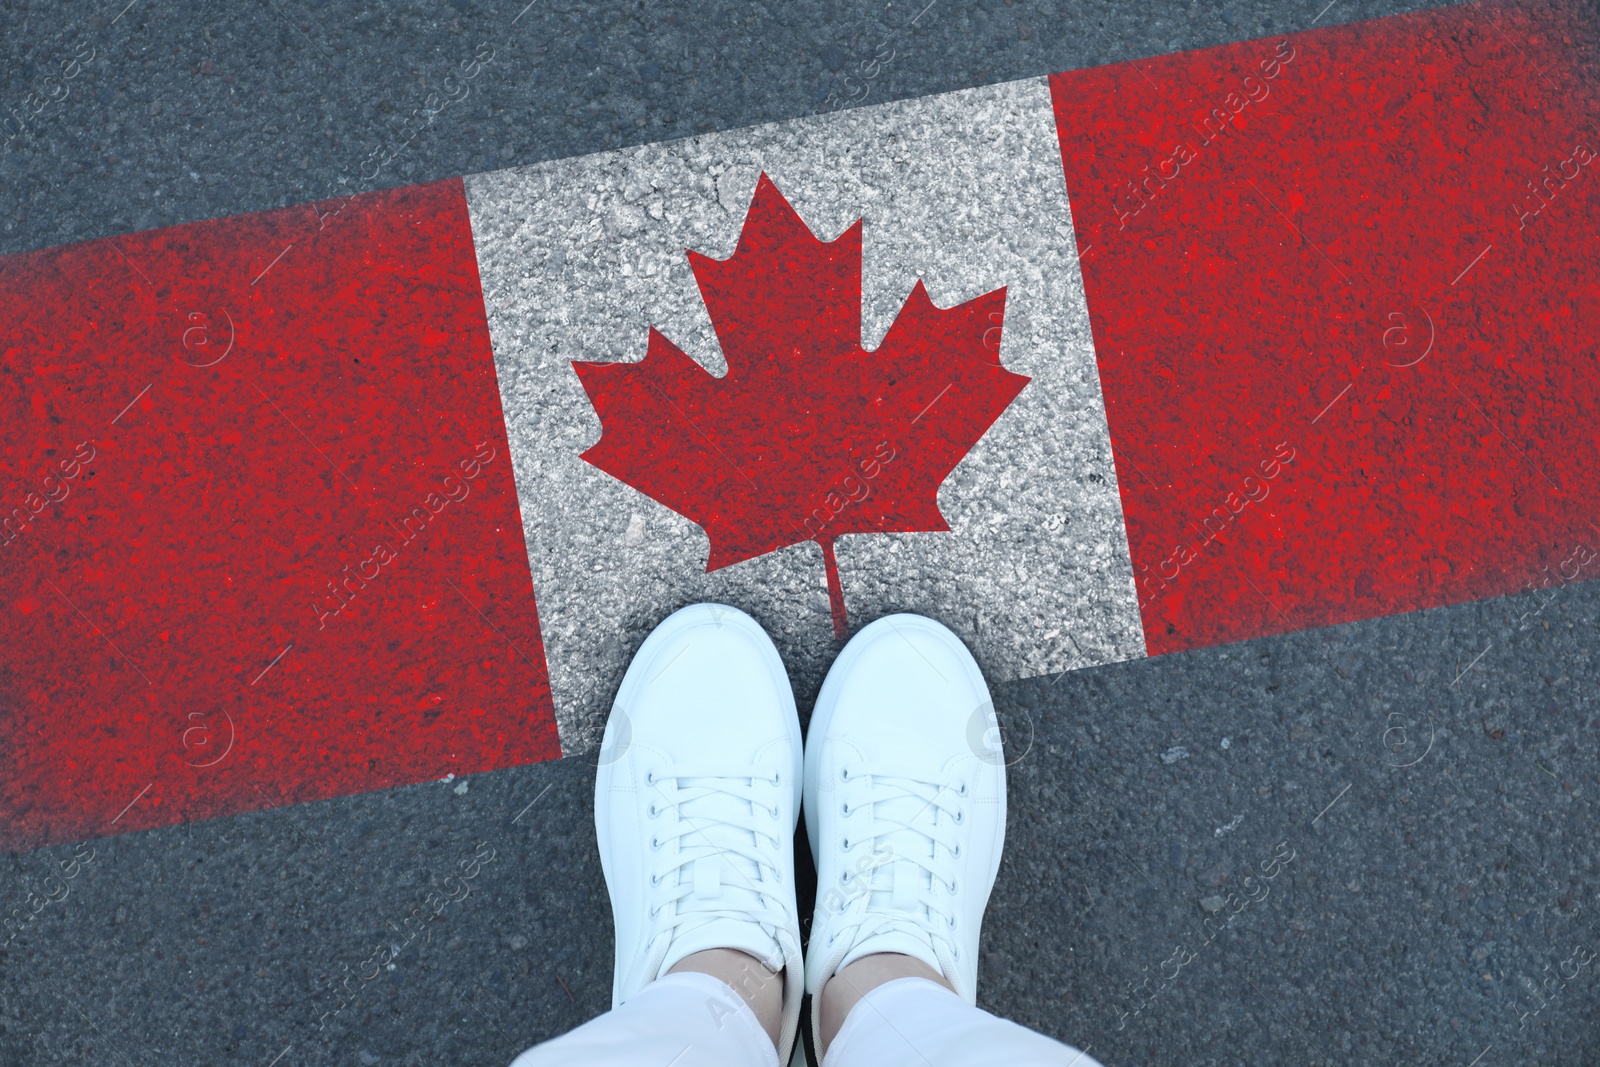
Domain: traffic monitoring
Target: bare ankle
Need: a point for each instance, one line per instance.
(844, 990)
(760, 988)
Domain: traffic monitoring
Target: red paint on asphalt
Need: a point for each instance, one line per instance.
(1345, 291)
(264, 543)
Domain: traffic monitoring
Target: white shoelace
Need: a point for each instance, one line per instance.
(909, 884)
(725, 862)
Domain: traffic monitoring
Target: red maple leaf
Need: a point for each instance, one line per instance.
(808, 436)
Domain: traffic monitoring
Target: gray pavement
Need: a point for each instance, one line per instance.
(1422, 789)
(181, 111)
(1418, 837)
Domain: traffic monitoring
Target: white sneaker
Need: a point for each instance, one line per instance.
(696, 801)
(905, 802)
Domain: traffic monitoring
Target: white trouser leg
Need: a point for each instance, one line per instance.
(912, 1022)
(685, 1019)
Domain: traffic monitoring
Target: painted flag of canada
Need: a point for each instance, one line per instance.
(349, 495)
(755, 351)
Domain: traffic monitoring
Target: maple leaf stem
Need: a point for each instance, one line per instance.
(841, 625)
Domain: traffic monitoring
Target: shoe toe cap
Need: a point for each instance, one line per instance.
(915, 690)
(707, 686)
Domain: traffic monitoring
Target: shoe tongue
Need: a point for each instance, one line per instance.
(897, 887)
(723, 882)
(703, 817)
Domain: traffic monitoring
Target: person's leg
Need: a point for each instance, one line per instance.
(696, 801)
(757, 985)
(846, 989)
(687, 1019)
(905, 804)
(913, 1022)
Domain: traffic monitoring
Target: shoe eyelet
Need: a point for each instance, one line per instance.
(962, 791)
(654, 880)
(774, 811)
(956, 852)
(844, 877)
(951, 922)
(952, 887)
(844, 774)
(655, 812)
(961, 817)
(844, 843)
(844, 809)
(655, 844)
(777, 778)
(650, 777)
